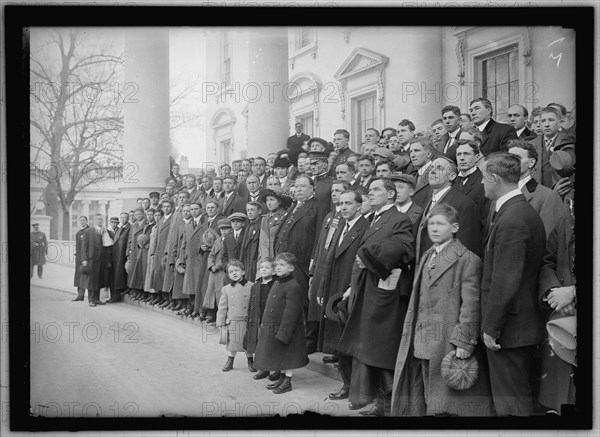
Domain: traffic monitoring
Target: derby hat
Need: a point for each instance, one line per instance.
(563, 164)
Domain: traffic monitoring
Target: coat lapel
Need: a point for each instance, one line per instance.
(446, 259)
(503, 209)
(349, 238)
(378, 224)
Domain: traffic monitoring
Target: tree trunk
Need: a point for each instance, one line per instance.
(66, 223)
(52, 209)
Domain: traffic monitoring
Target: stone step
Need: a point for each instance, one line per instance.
(315, 363)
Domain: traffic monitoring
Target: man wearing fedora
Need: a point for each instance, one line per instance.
(38, 250)
(511, 322)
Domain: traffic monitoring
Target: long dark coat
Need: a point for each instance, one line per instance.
(38, 248)
(138, 275)
(454, 313)
(162, 235)
(513, 255)
(338, 274)
(256, 308)
(249, 249)
(319, 267)
(120, 256)
(191, 255)
(170, 247)
(496, 136)
(281, 343)
(91, 251)
(473, 188)
(132, 247)
(78, 241)
(172, 259)
(557, 387)
(375, 316)
(302, 229)
(235, 204)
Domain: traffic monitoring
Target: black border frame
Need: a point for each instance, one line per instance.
(19, 18)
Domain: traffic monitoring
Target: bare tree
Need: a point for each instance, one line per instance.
(76, 119)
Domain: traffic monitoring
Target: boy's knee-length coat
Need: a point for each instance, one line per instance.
(281, 343)
(453, 313)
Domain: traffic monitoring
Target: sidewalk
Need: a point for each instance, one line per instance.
(60, 278)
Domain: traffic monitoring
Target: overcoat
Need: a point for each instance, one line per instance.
(319, 267)
(137, 280)
(215, 279)
(268, 228)
(191, 255)
(235, 203)
(38, 248)
(543, 170)
(172, 259)
(78, 241)
(376, 315)
(256, 308)
(162, 235)
(233, 313)
(338, 261)
(120, 256)
(132, 248)
(495, 137)
(473, 188)
(557, 387)
(170, 247)
(150, 265)
(546, 202)
(91, 251)
(249, 249)
(281, 343)
(422, 189)
(452, 311)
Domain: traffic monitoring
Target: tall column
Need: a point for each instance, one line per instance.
(146, 93)
(268, 113)
(85, 208)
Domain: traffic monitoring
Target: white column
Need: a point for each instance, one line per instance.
(268, 115)
(85, 208)
(146, 129)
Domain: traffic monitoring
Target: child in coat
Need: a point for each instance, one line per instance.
(443, 317)
(258, 299)
(216, 274)
(281, 343)
(232, 315)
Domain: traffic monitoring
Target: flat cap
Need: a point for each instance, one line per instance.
(154, 194)
(384, 152)
(403, 177)
(223, 223)
(318, 140)
(114, 219)
(238, 216)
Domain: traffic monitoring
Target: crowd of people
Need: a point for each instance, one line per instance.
(434, 267)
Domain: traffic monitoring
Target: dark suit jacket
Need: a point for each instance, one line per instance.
(469, 231)
(423, 189)
(527, 134)
(232, 249)
(295, 143)
(473, 188)
(496, 136)
(341, 158)
(414, 213)
(236, 203)
(451, 152)
(120, 256)
(359, 180)
(513, 256)
(323, 190)
(242, 188)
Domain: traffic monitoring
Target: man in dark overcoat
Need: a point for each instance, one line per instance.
(162, 234)
(120, 257)
(338, 263)
(38, 250)
(299, 231)
(512, 323)
(91, 258)
(375, 309)
(83, 222)
(170, 246)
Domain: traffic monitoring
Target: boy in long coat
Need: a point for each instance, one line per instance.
(281, 345)
(443, 316)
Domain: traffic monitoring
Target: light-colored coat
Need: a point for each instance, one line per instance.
(453, 321)
(190, 255)
(215, 279)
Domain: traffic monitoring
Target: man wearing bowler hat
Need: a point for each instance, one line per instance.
(38, 250)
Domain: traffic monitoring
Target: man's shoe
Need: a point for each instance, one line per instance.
(77, 300)
(274, 376)
(284, 387)
(164, 304)
(92, 304)
(342, 394)
(194, 315)
(228, 365)
(353, 406)
(202, 316)
(178, 307)
(261, 375)
(277, 383)
(251, 364)
(330, 359)
(99, 303)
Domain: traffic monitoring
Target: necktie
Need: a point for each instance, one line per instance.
(431, 264)
(463, 179)
(493, 218)
(548, 144)
(447, 146)
(194, 224)
(346, 229)
(298, 205)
